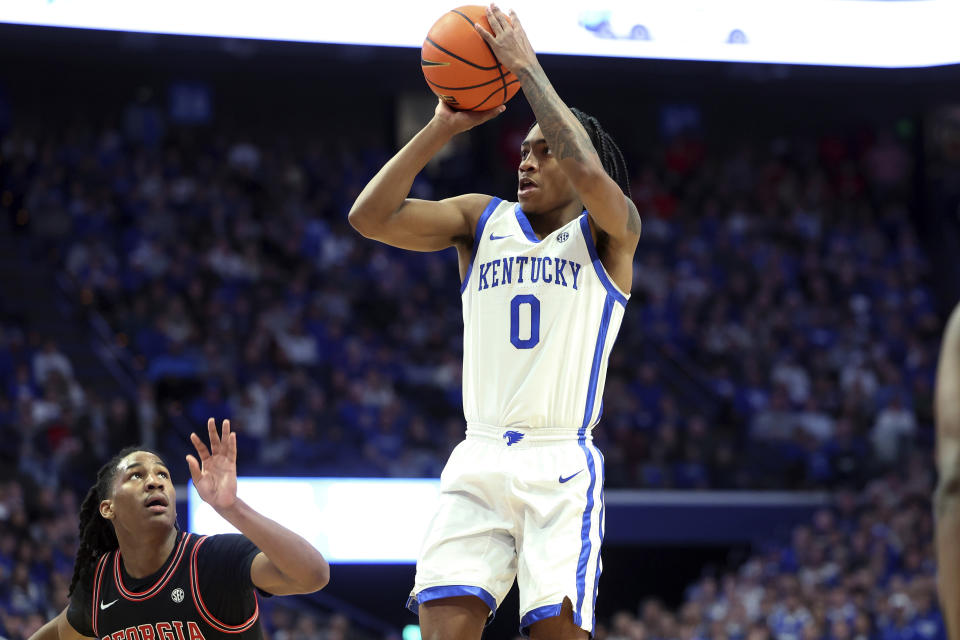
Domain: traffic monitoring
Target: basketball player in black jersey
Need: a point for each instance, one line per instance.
(947, 497)
(137, 576)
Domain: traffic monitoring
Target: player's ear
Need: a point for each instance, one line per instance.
(106, 509)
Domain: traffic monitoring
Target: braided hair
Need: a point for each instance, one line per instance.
(96, 533)
(610, 155)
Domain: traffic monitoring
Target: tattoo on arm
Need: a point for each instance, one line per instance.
(561, 129)
(564, 134)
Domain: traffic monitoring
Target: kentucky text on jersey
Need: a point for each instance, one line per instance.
(520, 269)
(174, 630)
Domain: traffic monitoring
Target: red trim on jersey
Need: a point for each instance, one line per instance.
(97, 579)
(178, 554)
(202, 608)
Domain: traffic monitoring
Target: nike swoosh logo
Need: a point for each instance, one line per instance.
(562, 479)
(493, 237)
(107, 606)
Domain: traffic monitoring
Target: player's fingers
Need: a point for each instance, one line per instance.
(515, 21)
(194, 467)
(201, 448)
(214, 437)
(226, 430)
(502, 17)
(486, 35)
(232, 447)
(443, 109)
(490, 114)
(505, 23)
(495, 25)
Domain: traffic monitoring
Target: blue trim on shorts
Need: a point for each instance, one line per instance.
(538, 614)
(451, 591)
(477, 235)
(585, 543)
(603, 506)
(597, 264)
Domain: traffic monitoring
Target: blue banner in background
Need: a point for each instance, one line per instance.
(706, 517)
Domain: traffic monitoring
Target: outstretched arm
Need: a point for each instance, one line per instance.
(610, 209)
(383, 212)
(947, 496)
(286, 563)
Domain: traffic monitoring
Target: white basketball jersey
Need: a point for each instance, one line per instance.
(540, 318)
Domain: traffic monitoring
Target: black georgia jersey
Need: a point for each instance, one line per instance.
(203, 591)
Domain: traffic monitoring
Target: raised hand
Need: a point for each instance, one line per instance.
(508, 40)
(460, 121)
(215, 474)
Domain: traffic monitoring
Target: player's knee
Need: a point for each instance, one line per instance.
(456, 617)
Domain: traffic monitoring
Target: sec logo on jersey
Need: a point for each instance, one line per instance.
(177, 595)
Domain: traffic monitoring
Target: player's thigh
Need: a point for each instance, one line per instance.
(467, 539)
(559, 558)
(457, 617)
(470, 547)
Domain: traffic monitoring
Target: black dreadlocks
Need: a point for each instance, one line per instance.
(96, 533)
(610, 155)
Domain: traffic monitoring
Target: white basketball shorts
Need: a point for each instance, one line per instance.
(524, 504)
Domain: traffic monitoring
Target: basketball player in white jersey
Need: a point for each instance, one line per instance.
(545, 283)
(947, 497)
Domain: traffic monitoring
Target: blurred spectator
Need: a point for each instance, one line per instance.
(50, 359)
(895, 426)
(861, 570)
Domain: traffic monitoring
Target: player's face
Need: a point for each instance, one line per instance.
(543, 186)
(143, 494)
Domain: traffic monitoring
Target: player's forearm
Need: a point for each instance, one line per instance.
(566, 137)
(571, 145)
(387, 190)
(946, 499)
(289, 552)
(947, 509)
(950, 348)
(947, 400)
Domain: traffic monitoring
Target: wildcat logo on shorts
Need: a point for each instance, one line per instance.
(563, 236)
(177, 595)
(512, 437)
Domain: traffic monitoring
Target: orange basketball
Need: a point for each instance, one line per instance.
(460, 67)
